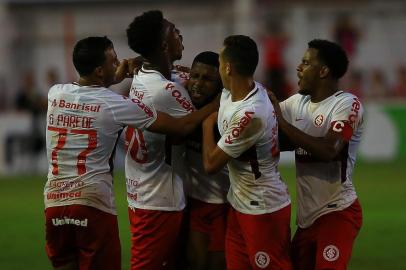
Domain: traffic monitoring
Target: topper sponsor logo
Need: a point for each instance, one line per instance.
(63, 195)
(76, 106)
(66, 185)
(356, 105)
(318, 121)
(183, 101)
(69, 221)
(132, 182)
(242, 124)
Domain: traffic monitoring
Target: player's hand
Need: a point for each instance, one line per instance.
(275, 103)
(122, 71)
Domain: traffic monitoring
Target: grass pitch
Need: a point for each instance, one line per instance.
(380, 245)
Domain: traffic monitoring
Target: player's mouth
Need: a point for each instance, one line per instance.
(195, 93)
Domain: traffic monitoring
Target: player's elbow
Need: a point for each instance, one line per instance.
(209, 168)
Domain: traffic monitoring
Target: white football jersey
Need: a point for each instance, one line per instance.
(249, 134)
(324, 187)
(154, 180)
(83, 126)
(207, 188)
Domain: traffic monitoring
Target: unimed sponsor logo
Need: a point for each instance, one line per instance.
(63, 195)
(69, 221)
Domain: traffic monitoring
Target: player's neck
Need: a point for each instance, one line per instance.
(160, 64)
(324, 90)
(90, 81)
(240, 87)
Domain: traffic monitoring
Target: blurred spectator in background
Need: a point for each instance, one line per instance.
(354, 83)
(274, 43)
(346, 34)
(377, 85)
(400, 85)
(28, 100)
(51, 77)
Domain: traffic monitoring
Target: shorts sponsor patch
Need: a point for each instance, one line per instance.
(331, 253)
(262, 259)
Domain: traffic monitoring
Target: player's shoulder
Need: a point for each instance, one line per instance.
(342, 98)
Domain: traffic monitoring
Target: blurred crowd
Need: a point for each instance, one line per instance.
(369, 84)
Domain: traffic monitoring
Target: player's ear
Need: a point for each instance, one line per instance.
(228, 68)
(324, 72)
(99, 71)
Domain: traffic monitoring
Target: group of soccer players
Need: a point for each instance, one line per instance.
(203, 186)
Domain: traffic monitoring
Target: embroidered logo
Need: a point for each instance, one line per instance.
(318, 121)
(262, 259)
(331, 253)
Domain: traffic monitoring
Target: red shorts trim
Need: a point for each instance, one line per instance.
(83, 234)
(210, 219)
(155, 238)
(327, 244)
(258, 241)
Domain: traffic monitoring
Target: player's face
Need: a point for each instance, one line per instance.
(204, 83)
(110, 66)
(308, 72)
(223, 70)
(174, 40)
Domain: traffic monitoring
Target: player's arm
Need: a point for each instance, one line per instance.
(214, 158)
(285, 144)
(325, 148)
(185, 125)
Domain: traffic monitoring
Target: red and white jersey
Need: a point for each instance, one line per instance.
(249, 134)
(83, 126)
(324, 187)
(207, 188)
(154, 168)
(180, 77)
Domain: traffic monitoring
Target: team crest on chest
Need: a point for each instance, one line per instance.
(318, 121)
(331, 253)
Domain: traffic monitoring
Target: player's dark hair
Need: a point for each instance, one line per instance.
(208, 58)
(145, 32)
(242, 52)
(89, 53)
(332, 55)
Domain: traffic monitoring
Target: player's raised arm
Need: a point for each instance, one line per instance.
(182, 126)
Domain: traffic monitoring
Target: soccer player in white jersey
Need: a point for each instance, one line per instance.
(207, 194)
(154, 169)
(324, 125)
(84, 121)
(258, 225)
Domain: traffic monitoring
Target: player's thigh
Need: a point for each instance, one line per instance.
(336, 233)
(61, 246)
(98, 240)
(303, 249)
(268, 239)
(155, 238)
(235, 246)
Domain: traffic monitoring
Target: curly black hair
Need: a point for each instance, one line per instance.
(332, 55)
(145, 32)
